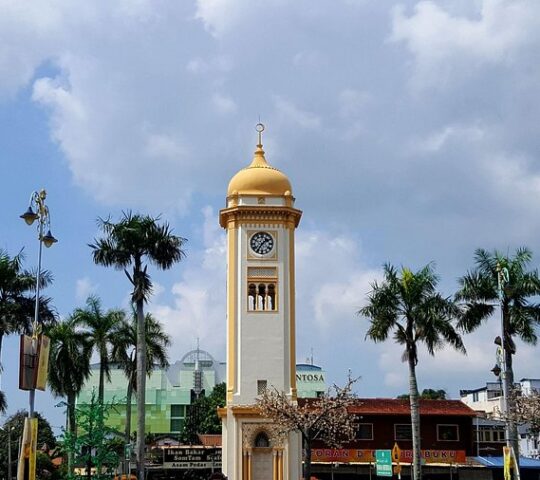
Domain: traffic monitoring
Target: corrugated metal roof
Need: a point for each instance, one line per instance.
(498, 462)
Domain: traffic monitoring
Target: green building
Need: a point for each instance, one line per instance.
(169, 392)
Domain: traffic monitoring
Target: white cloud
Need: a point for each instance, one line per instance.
(438, 140)
(447, 46)
(198, 306)
(288, 112)
(224, 104)
(352, 102)
(84, 288)
(219, 16)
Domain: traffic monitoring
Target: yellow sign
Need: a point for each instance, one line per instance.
(396, 455)
(26, 469)
(43, 362)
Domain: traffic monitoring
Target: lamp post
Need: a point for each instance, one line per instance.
(34, 348)
(41, 214)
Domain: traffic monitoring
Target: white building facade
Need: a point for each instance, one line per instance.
(488, 401)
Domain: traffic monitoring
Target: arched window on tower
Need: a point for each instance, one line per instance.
(261, 440)
(262, 295)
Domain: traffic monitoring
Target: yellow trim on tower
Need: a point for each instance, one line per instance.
(232, 267)
(292, 314)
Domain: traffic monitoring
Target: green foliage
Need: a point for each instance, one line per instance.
(91, 446)
(13, 427)
(479, 293)
(202, 415)
(427, 393)
(131, 240)
(407, 305)
(101, 328)
(17, 296)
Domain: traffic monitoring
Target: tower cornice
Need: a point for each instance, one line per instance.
(243, 214)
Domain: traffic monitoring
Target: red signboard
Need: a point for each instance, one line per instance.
(345, 455)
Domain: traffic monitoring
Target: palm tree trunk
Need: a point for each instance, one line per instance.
(72, 429)
(101, 391)
(127, 434)
(307, 459)
(415, 419)
(141, 388)
(510, 404)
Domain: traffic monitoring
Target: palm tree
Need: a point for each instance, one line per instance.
(17, 296)
(70, 353)
(124, 353)
(520, 317)
(101, 327)
(135, 241)
(407, 305)
(3, 403)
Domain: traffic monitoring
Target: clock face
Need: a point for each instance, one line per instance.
(261, 243)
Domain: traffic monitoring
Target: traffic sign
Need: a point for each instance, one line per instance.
(383, 463)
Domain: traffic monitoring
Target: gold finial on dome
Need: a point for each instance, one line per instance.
(260, 128)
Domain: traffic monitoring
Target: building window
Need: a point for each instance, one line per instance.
(261, 386)
(178, 416)
(447, 433)
(487, 434)
(262, 441)
(177, 425)
(403, 431)
(262, 289)
(475, 397)
(364, 431)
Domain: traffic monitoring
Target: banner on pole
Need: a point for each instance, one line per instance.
(26, 469)
(42, 362)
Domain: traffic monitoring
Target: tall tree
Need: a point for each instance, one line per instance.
(407, 306)
(480, 293)
(101, 328)
(202, 415)
(17, 296)
(133, 242)
(324, 418)
(12, 429)
(124, 353)
(427, 393)
(69, 358)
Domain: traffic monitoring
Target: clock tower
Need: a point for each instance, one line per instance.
(260, 220)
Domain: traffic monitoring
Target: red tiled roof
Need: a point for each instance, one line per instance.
(393, 406)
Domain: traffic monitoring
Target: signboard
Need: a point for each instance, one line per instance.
(344, 455)
(192, 458)
(383, 463)
(33, 362)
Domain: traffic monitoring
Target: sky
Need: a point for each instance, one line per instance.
(409, 131)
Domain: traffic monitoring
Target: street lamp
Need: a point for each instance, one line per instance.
(34, 347)
(42, 215)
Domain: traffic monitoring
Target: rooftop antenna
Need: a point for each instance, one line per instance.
(311, 355)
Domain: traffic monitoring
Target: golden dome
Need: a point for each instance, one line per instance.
(259, 178)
